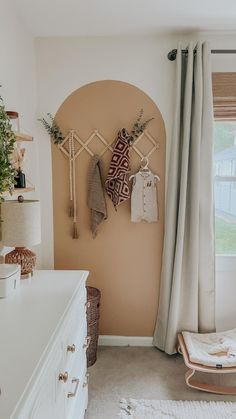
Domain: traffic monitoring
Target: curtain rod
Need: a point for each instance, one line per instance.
(172, 54)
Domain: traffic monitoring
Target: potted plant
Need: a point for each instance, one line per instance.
(7, 144)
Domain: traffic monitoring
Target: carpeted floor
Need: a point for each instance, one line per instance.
(140, 373)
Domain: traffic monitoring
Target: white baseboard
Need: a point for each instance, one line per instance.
(109, 340)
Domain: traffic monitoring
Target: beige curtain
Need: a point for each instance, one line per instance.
(187, 293)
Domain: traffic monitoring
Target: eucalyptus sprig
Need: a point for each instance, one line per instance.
(52, 129)
(139, 127)
(7, 145)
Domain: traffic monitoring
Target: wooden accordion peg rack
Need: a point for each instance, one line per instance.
(72, 146)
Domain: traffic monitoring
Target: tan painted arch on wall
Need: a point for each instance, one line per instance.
(125, 259)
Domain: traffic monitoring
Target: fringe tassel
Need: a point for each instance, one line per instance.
(75, 231)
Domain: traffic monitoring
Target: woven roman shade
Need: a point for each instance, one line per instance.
(224, 96)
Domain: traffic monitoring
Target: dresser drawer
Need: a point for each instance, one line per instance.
(74, 331)
(78, 348)
(76, 368)
(77, 388)
(42, 397)
(61, 383)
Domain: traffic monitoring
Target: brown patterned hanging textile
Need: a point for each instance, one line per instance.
(116, 183)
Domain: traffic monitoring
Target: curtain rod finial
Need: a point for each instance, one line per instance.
(172, 54)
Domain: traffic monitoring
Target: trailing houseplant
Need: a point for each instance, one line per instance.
(7, 144)
(52, 129)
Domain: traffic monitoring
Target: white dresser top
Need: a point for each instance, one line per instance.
(29, 318)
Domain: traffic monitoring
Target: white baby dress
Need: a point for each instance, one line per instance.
(144, 205)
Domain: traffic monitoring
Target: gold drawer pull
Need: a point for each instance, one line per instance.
(71, 348)
(70, 394)
(87, 379)
(63, 376)
(87, 342)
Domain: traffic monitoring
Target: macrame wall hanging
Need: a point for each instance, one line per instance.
(67, 146)
(69, 151)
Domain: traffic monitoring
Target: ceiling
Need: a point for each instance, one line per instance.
(123, 17)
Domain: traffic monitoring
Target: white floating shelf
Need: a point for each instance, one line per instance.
(23, 137)
(19, 191)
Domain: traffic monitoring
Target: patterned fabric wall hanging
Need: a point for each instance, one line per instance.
(116, 183)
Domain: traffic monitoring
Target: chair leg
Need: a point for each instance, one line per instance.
(210, 388)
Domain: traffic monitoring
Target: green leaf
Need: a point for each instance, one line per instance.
(138, 127)
(7, 144)
(52, 129)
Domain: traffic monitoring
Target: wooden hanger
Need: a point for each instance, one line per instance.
(145, 169)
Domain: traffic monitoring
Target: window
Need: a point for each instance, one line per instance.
(225, 187)
(224, 100)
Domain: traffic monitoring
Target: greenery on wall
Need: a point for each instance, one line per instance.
(7, 144)
(52, 129)
(139, 126)
(56, 135)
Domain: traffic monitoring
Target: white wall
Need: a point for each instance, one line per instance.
(18, 80)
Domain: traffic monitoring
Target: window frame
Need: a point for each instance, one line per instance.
(224, 109)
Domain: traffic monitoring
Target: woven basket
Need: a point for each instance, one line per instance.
(93, 300)
(92, 349)
(93, 314)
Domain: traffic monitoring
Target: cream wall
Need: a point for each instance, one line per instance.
(18, 80)
(124, 260)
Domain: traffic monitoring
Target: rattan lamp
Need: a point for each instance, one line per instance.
(20, 229)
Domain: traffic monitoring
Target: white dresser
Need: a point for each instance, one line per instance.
(43, 341)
